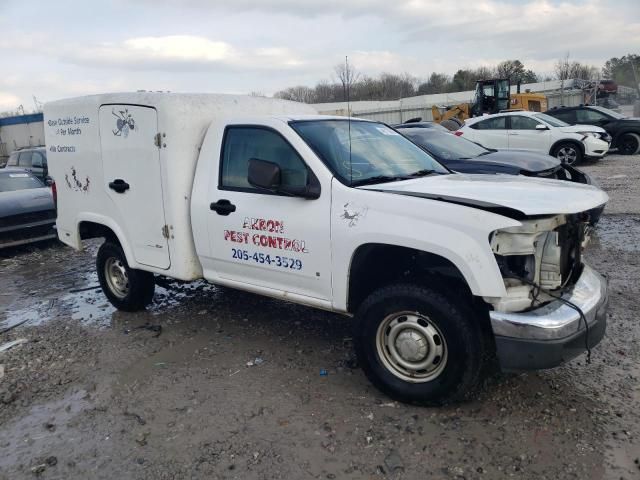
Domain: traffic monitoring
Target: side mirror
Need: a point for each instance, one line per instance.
(263, 174)
(541, 127)
(267, 175)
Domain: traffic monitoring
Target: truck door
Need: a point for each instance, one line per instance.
(132, 179)
(256, 237)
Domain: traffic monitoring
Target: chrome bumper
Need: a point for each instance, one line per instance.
(557, 320)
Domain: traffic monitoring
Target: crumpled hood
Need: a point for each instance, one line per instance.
(530, 196)
(582, 128)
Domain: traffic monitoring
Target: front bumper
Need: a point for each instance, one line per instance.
(554, 333)
(595, 147)
(27, 233)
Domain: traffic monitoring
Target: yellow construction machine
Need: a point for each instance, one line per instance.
(491, 96)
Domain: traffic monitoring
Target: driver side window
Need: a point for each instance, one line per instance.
(241, 144)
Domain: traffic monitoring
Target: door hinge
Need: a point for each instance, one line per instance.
(158, 140)
(165, 232)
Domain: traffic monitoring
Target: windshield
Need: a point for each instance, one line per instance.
(554, 122)
(444, 145)
(10, 182)
(377, 154)
(608, 112)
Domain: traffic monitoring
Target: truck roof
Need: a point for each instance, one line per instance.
(296, 117)
(186, 102)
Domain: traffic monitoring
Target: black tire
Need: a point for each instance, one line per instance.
(467, 345)
(562, 153)
(137, 286)
(629, 144)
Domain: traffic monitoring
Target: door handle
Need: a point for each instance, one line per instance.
(223, 207)
(119, 185)
(514, 134)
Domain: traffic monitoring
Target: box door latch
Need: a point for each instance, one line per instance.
(158, 140)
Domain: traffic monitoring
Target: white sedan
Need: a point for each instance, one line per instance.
(522, 130)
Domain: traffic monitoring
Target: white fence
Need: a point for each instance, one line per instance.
(401, 113)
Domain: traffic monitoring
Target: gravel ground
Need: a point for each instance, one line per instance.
(232, 387)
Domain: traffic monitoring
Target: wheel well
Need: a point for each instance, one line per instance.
(96, 230)
(376, 265)
(566, 140)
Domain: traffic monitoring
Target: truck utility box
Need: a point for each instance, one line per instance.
(147, 145)
(442, 271)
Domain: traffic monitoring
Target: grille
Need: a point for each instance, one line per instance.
(30, 217)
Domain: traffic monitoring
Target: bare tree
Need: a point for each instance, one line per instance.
(562, 68)
(297, 94)
(347, 76)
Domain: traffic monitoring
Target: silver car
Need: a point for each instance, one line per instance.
(27, 209)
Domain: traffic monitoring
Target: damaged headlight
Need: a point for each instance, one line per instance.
(526, 255)
(530, 252)
(517, 266)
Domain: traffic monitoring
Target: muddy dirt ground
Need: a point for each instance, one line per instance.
(232, 386)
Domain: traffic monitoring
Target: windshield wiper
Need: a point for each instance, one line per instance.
(420, 173)
(389, 178)
(376, 179)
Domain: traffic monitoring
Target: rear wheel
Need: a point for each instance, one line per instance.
(126, 288)
(568, 153)
(629, 144)
(417, 346)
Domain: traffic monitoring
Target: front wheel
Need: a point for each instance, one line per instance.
(629, 144)
(419, 347)
(126, 288)
(568, 153)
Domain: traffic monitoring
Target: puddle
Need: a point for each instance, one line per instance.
(35, 315)
(34, 433)
(86, 303)
(617, 232)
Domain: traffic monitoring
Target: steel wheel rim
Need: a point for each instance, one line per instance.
(567, 155)
(115, 273)
(411, 347)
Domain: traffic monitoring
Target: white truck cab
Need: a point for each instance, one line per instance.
(442, 271)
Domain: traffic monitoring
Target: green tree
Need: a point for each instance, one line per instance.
(437, 83)
(621, 70)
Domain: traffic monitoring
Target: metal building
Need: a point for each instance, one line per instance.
(19, 132)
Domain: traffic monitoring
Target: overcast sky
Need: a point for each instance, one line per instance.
(60, 48)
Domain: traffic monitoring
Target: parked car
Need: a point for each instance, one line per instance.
(27, 209)
(33, 160)
(441, 271)
(624, 131)
(464, 156)
(537, 132)
(422, 125)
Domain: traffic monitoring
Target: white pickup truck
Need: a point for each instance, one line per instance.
(443, 272)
